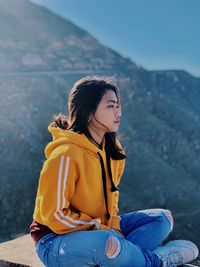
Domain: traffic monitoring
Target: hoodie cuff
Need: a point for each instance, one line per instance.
(115, 223)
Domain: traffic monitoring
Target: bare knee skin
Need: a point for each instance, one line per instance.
(113, 247)
(169, 217)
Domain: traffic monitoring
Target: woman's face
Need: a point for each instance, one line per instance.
(107, 116)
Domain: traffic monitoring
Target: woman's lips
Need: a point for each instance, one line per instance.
(116, 121)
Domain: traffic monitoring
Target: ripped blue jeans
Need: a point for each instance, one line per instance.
(143, 231)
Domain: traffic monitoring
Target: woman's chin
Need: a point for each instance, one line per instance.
(114, 130)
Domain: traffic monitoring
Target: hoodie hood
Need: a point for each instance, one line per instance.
(61, 137)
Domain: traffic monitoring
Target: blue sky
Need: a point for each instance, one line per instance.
(156, 34)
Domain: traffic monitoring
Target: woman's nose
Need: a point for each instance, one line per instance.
(118, 114)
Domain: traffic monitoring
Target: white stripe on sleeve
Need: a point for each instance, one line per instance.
(65, 181)
(59, 181)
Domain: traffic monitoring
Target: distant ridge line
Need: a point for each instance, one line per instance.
(24, 73)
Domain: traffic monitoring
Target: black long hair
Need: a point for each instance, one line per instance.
(84, 98)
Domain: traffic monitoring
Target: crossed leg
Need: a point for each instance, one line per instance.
(147, 228)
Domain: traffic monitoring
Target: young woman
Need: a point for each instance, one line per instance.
(76, 220)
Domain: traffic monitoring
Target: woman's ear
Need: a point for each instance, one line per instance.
(90, 118)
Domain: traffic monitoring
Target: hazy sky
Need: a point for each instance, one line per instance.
(156, 34)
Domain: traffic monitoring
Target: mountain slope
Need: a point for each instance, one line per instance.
(33, 38)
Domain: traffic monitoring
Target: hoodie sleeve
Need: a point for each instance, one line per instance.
(115, 222)
(56, 188)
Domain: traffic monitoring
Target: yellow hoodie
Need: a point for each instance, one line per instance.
(70, 195)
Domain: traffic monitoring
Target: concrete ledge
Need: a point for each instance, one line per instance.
(19, 252)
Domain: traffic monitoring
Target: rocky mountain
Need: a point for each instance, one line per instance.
(34, 39)
(41, 56)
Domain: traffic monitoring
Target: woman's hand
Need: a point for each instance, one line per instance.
(97, 222)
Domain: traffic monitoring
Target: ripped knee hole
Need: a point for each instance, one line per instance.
(113, 247)
(169, 217)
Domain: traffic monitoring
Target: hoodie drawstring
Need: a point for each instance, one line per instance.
(113, 188)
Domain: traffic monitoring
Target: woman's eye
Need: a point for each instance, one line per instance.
(112, 106)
